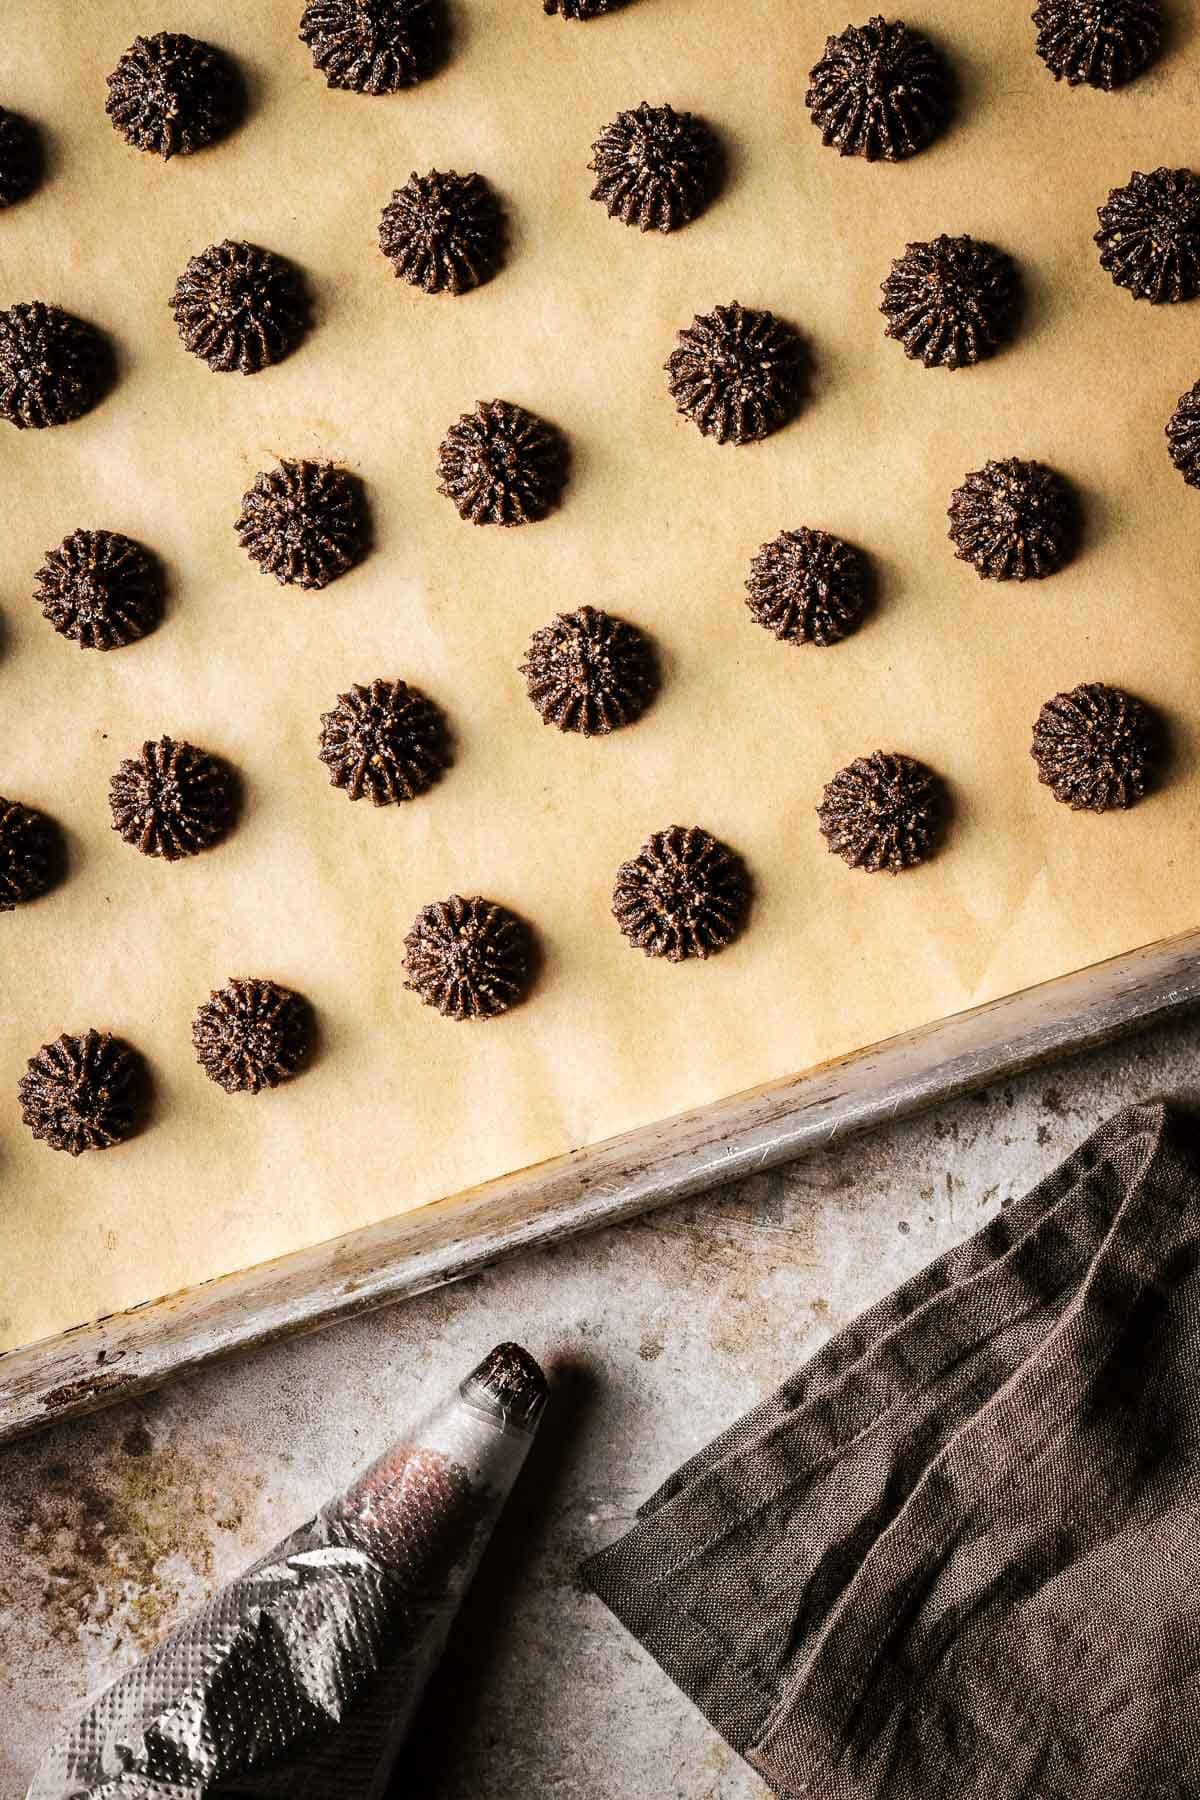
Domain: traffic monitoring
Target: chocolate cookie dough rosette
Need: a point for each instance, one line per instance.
(880, 91)
(84, 1091)
(738, 373)
(469, 958)
(883, 812)
(590, 673)
(1097, 748)
(684, 895)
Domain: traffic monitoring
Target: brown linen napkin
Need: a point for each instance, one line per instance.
(958, 1554)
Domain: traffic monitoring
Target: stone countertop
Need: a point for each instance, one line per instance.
(659, 1332)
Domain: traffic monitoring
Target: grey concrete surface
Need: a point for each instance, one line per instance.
(659, 1332)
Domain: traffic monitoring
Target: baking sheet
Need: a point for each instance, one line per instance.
(659, 524)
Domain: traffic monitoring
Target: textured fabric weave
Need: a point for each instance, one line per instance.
(958, 1554)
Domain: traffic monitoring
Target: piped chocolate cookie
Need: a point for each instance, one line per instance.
(1183, 436)
(951, 302)
(173, 800)
(471, 959)
(384, 742)
(501, 465)
(375, 46)
(239, 307)
(590, 672)
(100, 589)
(885, 811)
(30, 854)
(809, 587)
(20, 157)
(881, 90)
(303, 523)
(1097, 748)
(172, 95)
(83, 1092)
(1014, 521)
(655, 168)
(1104, 43)
(737, 373)
(685, 894)
(443, 232)
(251, 1035)
(1149, 236)
(581, 9)
(53, 366)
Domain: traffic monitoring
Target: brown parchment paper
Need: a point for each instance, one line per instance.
(401, 1106)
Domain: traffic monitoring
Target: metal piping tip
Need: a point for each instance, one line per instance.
(509, 1382)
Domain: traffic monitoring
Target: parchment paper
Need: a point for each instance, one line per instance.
(401, 1106)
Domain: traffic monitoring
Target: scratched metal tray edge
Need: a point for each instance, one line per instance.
(113, 1358)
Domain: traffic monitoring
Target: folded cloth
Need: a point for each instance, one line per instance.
(958, 1554)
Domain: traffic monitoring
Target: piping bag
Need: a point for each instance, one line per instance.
(301, 1678)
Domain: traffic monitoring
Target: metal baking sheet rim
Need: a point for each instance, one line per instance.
(127, 1353)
